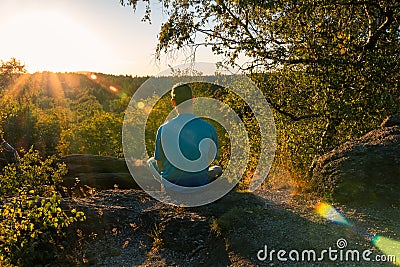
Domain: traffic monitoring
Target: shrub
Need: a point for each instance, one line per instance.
(99, 134)
(32, 222)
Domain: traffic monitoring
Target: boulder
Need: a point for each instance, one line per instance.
(391, 121)
(366, 170)
(87, 163)
(101, 172)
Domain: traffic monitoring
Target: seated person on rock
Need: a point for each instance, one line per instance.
(185, 145)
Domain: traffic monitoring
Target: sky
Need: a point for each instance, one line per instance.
(85, 35)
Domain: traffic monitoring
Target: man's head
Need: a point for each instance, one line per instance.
(180, 93)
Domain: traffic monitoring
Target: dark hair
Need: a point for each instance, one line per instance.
(181, 92)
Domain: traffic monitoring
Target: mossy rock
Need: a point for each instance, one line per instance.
(363, 171)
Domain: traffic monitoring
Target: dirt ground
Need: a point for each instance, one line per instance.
(129, 228)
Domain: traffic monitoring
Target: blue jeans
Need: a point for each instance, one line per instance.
(213, 173)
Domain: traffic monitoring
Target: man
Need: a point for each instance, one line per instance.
(186, 145)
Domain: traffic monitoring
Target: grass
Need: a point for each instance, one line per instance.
(155, 234)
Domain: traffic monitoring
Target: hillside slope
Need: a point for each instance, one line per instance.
(128, 228)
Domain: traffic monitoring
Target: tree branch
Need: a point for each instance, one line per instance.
(373, 37)
(291, 116)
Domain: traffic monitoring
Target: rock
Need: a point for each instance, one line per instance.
(8, 154)
(101, 172)
(391, 121)
(366, 170)
(86, 163)
(102, 180)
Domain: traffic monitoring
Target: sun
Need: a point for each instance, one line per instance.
(49, 40)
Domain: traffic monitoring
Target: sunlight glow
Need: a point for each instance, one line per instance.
(16, 88)
(56, 42)
(47, 83)
(331, 214)
(93, 76)
(139, 162)
(55, 87)
(148, 109)
(75, 36)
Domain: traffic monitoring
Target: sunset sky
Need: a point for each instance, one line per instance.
(83, 35)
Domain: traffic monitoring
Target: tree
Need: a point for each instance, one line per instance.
(9, 70)
(273, 33)
(327, 65)
(99, 134)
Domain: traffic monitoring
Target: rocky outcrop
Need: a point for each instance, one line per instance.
(8, 154)
(366, 170)
(99, 172)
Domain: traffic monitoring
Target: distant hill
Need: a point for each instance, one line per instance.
(66, 112)
(62, 86)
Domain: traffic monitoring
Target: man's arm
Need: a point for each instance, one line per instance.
(159, 153)
(160, 164)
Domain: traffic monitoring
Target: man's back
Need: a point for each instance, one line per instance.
(185, 144)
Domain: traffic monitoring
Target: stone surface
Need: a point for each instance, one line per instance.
(391, 121)
(86, 163)
(100, 172)
(366, 170)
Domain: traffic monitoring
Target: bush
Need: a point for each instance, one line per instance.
(32, 222)
(99, 134)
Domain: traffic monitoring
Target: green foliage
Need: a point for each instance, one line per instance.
(276, 33)
(48, 129)
(20, 120)
(312, 120)
(10, 70)
(32, 173)
(32, 222)
(65, 112)
(156, 118)
(99, 134)
(155, 234)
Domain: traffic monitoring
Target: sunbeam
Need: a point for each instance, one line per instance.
(55, 88)
(16, 89)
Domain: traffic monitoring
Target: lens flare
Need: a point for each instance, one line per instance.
(331, 214)
(147, 109)
(390, 247)
(113, 89)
